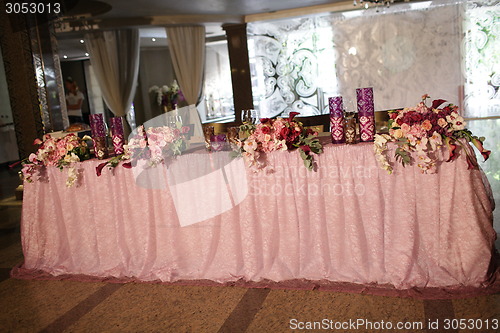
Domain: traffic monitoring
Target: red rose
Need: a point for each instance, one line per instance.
(416, 117)
(284, 132)
(266, 130)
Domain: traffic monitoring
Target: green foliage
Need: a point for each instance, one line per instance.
(401, 154)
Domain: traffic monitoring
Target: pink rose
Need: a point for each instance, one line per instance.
(426, 125)
(442, 122)
(405, 128)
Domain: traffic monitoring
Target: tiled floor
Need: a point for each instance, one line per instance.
(69, 306)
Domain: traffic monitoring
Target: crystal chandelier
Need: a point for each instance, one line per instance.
(377, 3)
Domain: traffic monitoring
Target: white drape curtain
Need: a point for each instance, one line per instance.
(114, 55)
(187, 49)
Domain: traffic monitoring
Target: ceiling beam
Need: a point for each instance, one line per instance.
(195, 19)
(318, 9)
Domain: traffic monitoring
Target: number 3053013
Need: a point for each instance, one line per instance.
(32, 7)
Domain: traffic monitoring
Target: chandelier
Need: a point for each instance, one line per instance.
(377, 3)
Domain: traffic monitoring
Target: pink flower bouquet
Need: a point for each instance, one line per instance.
(278, 134)
(152, 145)
(60, 152)
(423, 130)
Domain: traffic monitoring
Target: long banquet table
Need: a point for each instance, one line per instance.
(204, 217)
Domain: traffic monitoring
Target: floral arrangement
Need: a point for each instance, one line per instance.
(152, 145)
(278, 134)
(424, 130)
(60, 152)
(168, 96)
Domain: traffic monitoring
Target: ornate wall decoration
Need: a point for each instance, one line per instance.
(401, 51)
(481, 53)
(287, 67)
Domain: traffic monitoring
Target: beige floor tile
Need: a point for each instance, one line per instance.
(29, 306)
(284, 309)
(483, 310)
(11, 255)
(161, 308)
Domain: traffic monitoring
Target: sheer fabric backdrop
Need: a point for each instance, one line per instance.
(187, 49)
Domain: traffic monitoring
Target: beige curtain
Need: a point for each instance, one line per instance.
(114, 55)
(187, 49)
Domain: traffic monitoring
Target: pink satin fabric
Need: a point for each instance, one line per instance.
(348, 222)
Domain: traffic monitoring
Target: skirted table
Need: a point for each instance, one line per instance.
(208, 217)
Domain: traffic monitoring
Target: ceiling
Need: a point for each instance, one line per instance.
(119, 9)
(150, 16)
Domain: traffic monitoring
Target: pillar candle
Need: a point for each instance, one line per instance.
(117, 135)
(366, 113)
(336, 119)
(98, 135)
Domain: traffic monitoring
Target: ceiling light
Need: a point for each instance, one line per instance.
(82, 41)
(153, 39)
(86, 54)
(65, 56)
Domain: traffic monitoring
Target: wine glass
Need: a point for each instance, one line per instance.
(246, 116)
(254, 114)
(171, 122)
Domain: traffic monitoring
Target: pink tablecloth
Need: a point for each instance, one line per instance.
(349, 221)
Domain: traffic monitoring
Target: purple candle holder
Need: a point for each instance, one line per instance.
(337, 119)
(366, 113)
(97, 125)
(117, 136)
(98, 135)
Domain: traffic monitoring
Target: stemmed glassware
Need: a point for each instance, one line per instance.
(173, 121)
(250, 116)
